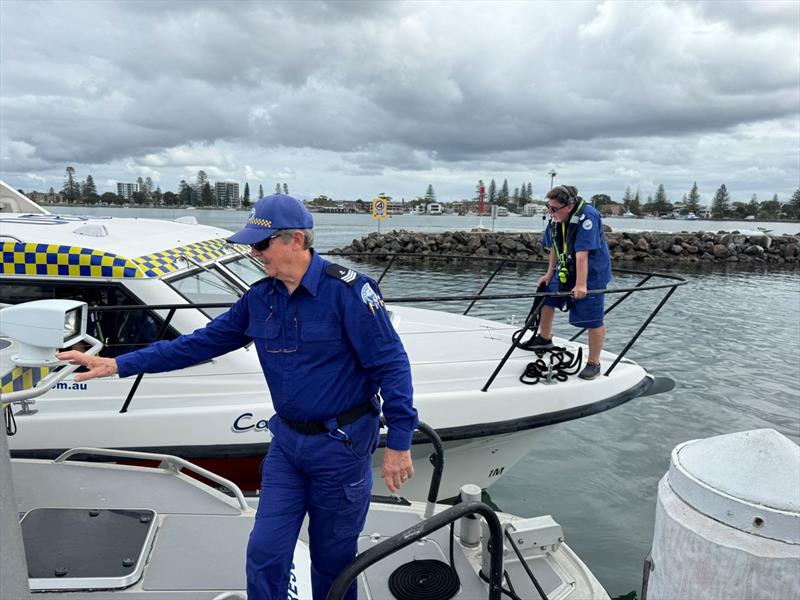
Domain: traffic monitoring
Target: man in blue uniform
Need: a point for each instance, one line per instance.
(579, 261)
(327, 348)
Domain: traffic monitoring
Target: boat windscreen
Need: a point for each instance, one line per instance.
(206, 287)
(245, 269)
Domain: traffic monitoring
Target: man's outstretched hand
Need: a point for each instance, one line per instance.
(97, 365)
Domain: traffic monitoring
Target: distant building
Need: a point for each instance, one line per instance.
(395, 208)
(612, 210)
(227, 193)
(434, 208)
(126, 190)
(45, 198)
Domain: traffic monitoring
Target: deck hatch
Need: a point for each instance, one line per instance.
(81, 548)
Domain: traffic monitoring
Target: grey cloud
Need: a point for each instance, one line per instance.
(392, 87)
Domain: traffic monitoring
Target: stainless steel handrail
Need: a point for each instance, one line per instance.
(173, 463)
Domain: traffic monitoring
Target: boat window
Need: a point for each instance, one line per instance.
(120, 331)
(204, 287)
(245, 269)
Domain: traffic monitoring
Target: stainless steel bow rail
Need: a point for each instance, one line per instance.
(531, 321)
(645, 284)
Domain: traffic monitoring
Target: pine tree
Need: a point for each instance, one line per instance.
(246, 198)
(636, 206)
(660, 203)
(430, 195)
(71, 190)
(492, 197)
(721, 203)
(260, 191)
(752, 206)
(185, 193)
(277, 188)
(523, 195)
(627, 197)
(206, 195)
(793, 206)
(529, 192)
(89, 188)
(502, 197)
(285, 189)
(693, 200)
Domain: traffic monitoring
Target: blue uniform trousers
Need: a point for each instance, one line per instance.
(322, 475)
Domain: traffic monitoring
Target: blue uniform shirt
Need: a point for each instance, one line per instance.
(325, 349)
(590, 238)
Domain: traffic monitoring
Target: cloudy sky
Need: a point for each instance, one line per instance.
(349, 99)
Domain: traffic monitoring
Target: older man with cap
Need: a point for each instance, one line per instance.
(327, 348)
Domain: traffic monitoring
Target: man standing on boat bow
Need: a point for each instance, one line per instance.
(327, 348)
(579, 262)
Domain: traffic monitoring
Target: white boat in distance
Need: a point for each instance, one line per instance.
(216, 413)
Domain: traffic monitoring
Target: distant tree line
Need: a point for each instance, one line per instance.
(199, 193)
(722, 207)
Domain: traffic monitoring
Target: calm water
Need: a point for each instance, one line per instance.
(731, 341)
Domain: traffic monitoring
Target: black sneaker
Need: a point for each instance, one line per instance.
(590, 371)
(539, 343)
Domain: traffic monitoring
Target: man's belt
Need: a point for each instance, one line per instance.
(314, 427)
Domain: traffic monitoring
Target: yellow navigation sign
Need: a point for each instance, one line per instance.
(380, 208)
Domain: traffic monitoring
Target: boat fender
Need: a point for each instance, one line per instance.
(341, 273)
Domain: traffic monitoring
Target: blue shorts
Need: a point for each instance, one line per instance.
(586, 312)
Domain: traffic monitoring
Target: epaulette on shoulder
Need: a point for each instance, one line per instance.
(341, 273)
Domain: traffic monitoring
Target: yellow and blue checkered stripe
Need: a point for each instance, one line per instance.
(71, 261)
(75, 261)
(166, 261)
(22, 378)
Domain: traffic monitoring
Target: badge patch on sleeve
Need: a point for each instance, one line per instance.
(371, 299)
(587, 224)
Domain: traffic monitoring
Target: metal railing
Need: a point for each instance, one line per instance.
(645, 284)
(167, 462)
(421, 530)
(674, 282)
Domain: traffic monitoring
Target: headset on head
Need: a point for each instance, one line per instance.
(571, 198)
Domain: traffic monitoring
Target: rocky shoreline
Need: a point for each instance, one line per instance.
(627, 248)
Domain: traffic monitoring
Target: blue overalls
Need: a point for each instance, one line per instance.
(327, 348)
(584, 232)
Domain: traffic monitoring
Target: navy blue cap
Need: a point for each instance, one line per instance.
(271, 214)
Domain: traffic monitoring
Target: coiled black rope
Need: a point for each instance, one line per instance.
(9, 421)
(426, 579)
(560, 364)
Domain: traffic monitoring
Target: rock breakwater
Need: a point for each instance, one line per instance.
(655, 248)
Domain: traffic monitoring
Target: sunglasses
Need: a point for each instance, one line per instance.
(555, 209)
(264, 244)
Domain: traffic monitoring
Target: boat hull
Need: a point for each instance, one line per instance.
(478, 453)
